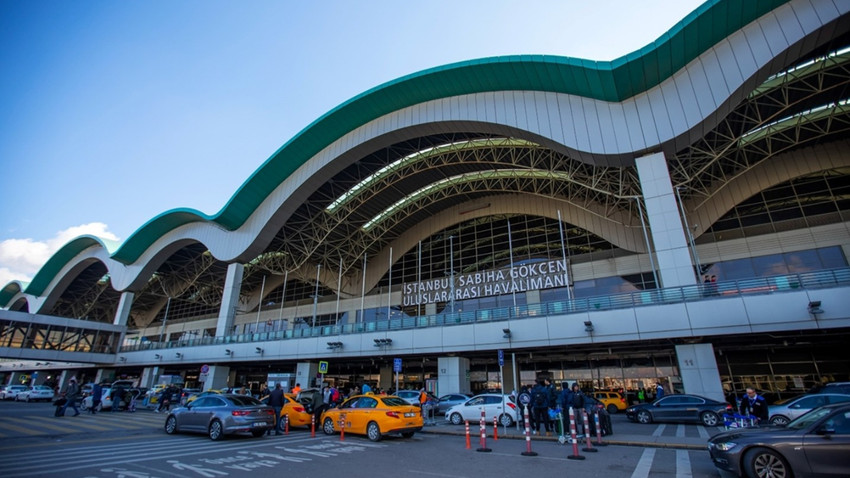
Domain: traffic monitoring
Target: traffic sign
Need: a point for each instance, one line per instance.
(397, 365)
(205, 368)
(501, 358)
(323, 367)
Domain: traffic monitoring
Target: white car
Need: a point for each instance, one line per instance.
(493, 404)
(783, 412)
(36, 393)
(12, 391)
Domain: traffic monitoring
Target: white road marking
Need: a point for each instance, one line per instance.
(680, 431)
(683, 464)
(703, 433)
(658, 431)
(644, 465)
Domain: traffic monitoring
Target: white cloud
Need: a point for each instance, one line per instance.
(20, 259)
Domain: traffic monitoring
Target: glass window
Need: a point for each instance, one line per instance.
(832, 257)
(771, 265)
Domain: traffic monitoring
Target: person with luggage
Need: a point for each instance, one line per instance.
(754, 405)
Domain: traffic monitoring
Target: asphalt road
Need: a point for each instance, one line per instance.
(134, 445)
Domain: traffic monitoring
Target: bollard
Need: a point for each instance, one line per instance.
(589, 447)
(527, 451)
(575, 455)
(286, 424)
(313, 425)
(483, 446)
(598, 430)
(495, 428)
(468, 444)
(341, 427)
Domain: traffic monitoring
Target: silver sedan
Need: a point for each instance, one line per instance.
(220, 415)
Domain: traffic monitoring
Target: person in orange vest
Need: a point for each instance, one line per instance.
(296, 388)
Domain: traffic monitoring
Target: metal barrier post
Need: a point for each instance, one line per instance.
(527, 451)
(575, 455)
(598, 430)
(483, 446)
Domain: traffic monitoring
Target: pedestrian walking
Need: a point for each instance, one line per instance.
(72, 394)
(540, 407)
(659, 391)
(96, 396)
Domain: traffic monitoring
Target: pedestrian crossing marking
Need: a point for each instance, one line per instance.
(41, 423)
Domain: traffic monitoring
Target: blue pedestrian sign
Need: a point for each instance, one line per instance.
(501, 358)
(323, 367)
(397, 365)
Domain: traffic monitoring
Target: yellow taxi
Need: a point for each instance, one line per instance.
(614, 401)
(196, 396)
(295, 412)
(374, 416)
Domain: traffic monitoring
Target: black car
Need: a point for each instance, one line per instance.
(815, 444)
(680, 408)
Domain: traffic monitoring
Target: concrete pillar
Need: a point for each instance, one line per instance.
(98, 376)
(698, 369)
(508, 375)
(125, 303)
(453, 375)
(305, 374)
(229, 299)
(149, 377)
(218, 377)
(387, 378)
(668, 235)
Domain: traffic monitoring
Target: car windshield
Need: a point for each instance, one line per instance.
(395, 402)
(244, 400)
(804, 421)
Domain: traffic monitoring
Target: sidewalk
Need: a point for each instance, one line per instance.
(681, 443)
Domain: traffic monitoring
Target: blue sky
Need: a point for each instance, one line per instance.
(116, 111)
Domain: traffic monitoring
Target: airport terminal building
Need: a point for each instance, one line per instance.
(676, 215)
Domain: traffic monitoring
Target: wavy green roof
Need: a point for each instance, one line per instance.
(612, 81)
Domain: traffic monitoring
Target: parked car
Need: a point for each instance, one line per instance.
(835, 387)
(374, 416)
(493, 404)
(12, 391)
(36, 393)
(680, 408)
(814, 444)
(613, 401)
(198, 395)
(186, 393)
(412, 397)
(450, 400)
(220, 415)
(783, 412)
(107, 399)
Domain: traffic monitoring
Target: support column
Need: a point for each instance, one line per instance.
(668, 236)
(698, 368)
(453, 375)
(387, 378)
(229, 299)
(218, 377)
(124, 304)
(305, 374)
(149, 377)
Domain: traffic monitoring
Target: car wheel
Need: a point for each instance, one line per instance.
(506, 420)
(456, 419)
(171, 425)
(612, 409)
(779, 420)
(328, 426)
(373, 431)
(407, 435)
(709, 419)
(761, 462)
(644, 417)
(216, 431)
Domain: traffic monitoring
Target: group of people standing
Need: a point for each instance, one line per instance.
(544, 399)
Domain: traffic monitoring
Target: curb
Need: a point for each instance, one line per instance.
(647, 444)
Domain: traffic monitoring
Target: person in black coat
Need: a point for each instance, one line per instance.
(96, 395)
(276, 401)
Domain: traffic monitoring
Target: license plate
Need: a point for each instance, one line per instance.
(409, 414)
(260, 424)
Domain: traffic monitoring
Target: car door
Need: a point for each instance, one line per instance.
(198, 416)
(362, 415)
(805, 404)
(492, 408)
(669, 408)
(826, 448)
(471, 410)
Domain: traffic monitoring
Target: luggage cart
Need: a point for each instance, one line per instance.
(737, 420)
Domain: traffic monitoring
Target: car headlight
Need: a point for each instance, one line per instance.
(725, 445)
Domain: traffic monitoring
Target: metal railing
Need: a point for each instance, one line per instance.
(691, 293)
